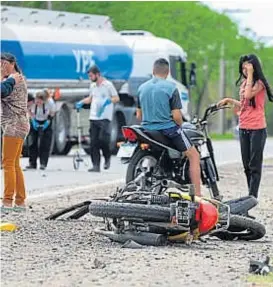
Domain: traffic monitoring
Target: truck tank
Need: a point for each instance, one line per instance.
(55, 49)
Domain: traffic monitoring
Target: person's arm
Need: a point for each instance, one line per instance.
(87, 100)
(176, 106)
(138, 110)
(229, 101)
(52, 108)
(114, 94)
(7, 87)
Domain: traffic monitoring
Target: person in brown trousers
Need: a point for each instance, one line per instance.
(15, 127)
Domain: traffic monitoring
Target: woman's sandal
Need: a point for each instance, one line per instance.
(5, 208)
(19, 208)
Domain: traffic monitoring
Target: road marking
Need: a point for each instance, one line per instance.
(75, 189)
(108, 184)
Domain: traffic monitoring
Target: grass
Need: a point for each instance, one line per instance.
(227, 136)
(261, 281)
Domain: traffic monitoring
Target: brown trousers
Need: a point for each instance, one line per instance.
(13, 175)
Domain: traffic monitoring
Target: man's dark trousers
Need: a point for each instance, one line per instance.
(43, 151)
(100, 136)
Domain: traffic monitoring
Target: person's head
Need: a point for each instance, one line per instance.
(94, 73)
(257, 72)
(161, 68)
(41, 98)
(9, 64)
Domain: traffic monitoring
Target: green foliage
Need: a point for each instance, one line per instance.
(259, 280)
(219, 137)
(199, 30)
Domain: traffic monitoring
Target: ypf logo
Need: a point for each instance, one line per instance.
(84, 60)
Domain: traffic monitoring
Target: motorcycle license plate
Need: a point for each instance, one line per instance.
(183, 212)
(126, 150)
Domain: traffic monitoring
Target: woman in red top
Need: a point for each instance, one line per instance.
(252, 123)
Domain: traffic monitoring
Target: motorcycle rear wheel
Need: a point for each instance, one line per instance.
(131, 173)
(130, 210)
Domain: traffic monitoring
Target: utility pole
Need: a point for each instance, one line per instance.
(49, 5)
(222, 87)
(233, 89)
(222, 68)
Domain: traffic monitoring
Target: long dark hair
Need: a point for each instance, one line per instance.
(257, 75)
(12, 59)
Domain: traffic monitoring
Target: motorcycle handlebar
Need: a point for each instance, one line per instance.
(211, 109)
(170, 184)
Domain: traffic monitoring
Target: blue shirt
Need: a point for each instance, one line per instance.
(156, 99)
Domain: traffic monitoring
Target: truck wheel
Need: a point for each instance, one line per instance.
(62, 145)
(115, 131)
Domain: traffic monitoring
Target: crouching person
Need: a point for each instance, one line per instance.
(41, 112)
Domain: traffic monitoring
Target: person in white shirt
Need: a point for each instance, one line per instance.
(102, 98)
(41, 111)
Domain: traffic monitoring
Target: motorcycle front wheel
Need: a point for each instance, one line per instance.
(251, 229)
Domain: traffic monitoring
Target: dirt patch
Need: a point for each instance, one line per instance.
(59, 253)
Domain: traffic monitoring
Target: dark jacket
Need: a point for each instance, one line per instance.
(7, 87)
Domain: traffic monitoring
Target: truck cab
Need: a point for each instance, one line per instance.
(147, 48)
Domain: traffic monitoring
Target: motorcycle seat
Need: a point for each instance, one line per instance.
(159, 137)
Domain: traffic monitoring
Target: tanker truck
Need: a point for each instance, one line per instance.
(55, 49)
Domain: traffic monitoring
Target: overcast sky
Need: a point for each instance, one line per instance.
(259, 18)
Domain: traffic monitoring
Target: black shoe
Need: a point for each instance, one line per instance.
(42, 167)
(30, 167)
(94, 169)
(107, 164)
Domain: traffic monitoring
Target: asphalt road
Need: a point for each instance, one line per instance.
(60, 174)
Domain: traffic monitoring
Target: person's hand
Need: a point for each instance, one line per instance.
(79, 105)
(34, 124)
(223, 102)
(46, 125)
(4, 69)
(249, 68)
(101, 110)
(17, 77)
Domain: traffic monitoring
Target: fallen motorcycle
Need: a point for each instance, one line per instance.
(173, 215)
(168, 211)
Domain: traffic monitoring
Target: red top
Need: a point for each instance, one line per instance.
(252, 118)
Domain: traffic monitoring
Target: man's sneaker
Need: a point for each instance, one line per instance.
(29, 167)
(107, 164)
(94, 169)
(42, 167)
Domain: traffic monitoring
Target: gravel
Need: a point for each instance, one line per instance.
(68, 253)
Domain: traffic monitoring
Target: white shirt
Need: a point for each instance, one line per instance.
(100, 94)
(42, 112)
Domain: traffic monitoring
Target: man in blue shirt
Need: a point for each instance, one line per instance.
(159, 108)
